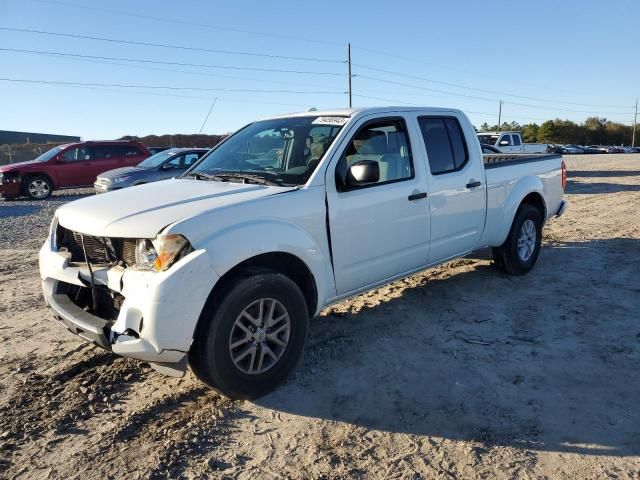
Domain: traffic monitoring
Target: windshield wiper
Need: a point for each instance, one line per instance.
(245, 177)
(202, 176)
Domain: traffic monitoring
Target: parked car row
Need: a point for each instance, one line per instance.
(571, 149)
(106, 165)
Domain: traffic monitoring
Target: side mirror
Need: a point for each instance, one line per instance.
(363, 173)
(87, 157)
(504, 143)
(168, 166)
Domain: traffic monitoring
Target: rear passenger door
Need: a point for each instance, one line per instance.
(126, 156)
(103, 158)
(517, 143)
(457, 200)
(381, 229)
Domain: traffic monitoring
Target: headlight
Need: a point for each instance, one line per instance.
(161, 252)
(120, 179)
(53, 228)
(10, 177)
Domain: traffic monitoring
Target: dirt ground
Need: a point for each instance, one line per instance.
(458, 372)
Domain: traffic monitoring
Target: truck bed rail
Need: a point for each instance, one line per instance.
(504, 159)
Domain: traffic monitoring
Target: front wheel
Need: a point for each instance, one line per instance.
(519, 252)
(251, 336)
(38, 187)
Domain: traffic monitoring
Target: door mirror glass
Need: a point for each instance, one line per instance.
(363, 173)
(504, 143)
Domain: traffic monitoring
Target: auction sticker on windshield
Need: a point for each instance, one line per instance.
(339, 121)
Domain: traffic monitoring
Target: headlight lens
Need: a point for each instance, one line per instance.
(161, 252)
(120, 179)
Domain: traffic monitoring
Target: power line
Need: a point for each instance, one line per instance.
(430, 80)
(174, 21)
(162, 62)
(189, 72)
(174, 95)
(165, 45)
(488, 114)
(167, 87)
(485, 99)
(418, 87)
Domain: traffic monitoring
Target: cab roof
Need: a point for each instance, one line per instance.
(358, 111)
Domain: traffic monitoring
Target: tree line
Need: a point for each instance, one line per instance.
(593, 131)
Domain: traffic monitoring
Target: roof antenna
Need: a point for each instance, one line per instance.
(312, 109)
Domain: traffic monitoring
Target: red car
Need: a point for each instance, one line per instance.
(67, 166)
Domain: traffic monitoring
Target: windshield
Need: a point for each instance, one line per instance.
(488, 139)
(158, 159)
(48, 155)
(284, 151)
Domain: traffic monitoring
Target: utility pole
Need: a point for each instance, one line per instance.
(349, 62)
(635, 120)
(499, 115)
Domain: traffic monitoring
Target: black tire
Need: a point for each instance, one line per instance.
(37, 187)
(210, 356)
(507, 256)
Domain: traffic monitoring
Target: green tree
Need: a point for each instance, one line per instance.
(547, 132)
(530, 133)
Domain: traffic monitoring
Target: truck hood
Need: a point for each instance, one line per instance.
(143, 211)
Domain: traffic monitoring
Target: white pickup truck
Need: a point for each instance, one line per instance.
(511, 142)
(223, 267)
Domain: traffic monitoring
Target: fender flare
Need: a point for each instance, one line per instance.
(250, 239)
(518, 193)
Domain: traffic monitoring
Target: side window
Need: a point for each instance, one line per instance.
(77, 154)
(384, 142)
(516, 140)
(102, 152)
(505, 141)
(130, 151)
(445, 144)
(124, 151)
(176, 162)
(190, 159)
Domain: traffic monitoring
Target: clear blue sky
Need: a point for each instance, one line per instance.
(581, 52)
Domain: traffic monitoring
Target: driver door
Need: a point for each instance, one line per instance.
(379, 230)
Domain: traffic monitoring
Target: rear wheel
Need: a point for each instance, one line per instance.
(519, 252)
(251, 336)
(38, 187)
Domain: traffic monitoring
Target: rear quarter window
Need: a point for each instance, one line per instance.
(445, 144)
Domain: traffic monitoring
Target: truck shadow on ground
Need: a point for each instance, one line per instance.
(547, 361)
(576, 186)
(599, 187)
(603, 173)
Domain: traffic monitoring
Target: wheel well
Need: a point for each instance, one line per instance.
(36, 174)
(535, 200)
(280, 262)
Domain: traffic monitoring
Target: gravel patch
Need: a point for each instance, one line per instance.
(25, 223)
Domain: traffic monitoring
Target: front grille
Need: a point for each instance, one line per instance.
(108, 302)
(100, 250)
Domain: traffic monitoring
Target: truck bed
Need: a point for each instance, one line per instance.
(526, 172)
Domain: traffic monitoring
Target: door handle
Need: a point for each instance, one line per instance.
(474, 184)
(417, 196)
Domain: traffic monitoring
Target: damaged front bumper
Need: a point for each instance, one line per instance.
(151, 316)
